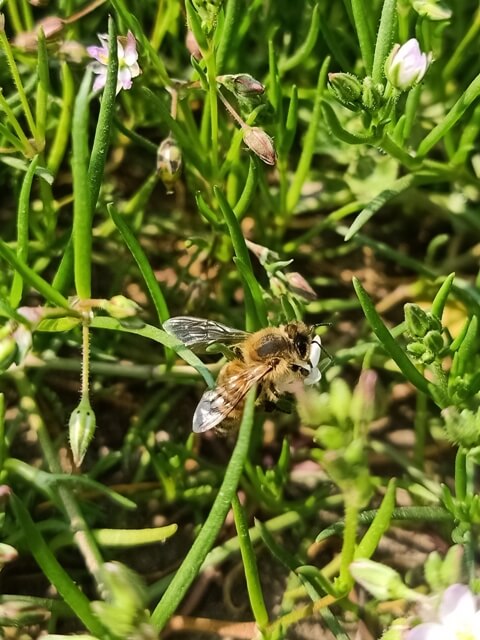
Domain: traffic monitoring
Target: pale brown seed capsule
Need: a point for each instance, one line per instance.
(169, 162)
(260, 143)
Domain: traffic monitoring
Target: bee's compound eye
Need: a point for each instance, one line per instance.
(301, 345)
(315, 351)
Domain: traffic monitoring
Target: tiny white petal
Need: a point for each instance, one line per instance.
(458, 606)
(315, 351)
(429, 631)
(313, 377)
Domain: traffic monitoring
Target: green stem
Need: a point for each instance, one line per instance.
(194, 559)
(250, 565)
(36, 281)
(349, 541)
(458, 55)
(213, 102)
(82, 534)
(54, 571)
(421, 429)
(27, 148)
(309, 141)
(143, 264)
(62, 130)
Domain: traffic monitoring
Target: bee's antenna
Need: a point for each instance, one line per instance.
(329, 355)
(322, 324)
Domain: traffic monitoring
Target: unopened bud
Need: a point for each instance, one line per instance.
(192, 45)
(264, 254)
(8, 352)
(242, 84)
(7, 554)
(277, 287)
(298, 285)
(2, 22)
(260, 143)
(417, 320)
(169, 162)
(383, 582)
(434, 341)
(371, 94)
(121, 307)
(407, 65)
(81, 428)
(72, 51)
(432, 9)
(52, 26)
(347, 88)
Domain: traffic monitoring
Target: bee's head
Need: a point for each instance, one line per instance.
(301, 342)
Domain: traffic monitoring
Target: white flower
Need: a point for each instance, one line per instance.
(407, 65)
(458, 618)
(127, 61)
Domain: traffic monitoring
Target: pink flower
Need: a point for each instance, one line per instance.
(127, 61)
(458, 618)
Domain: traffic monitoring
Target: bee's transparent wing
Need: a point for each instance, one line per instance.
(198, 333)
(216, 404)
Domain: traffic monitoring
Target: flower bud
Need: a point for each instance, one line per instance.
(8, 352)
(7, 554)
(260, 143)
(381, 581)
(432, 9)
(120, 307)
(372, 94)
(347, 89)
(417, 320)
(298, 285)
(169, 162)
(81, 428)
(242, 84)
(406, 65)
(434, 341)
(192, 45)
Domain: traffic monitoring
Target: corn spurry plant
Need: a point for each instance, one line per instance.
(255, 164)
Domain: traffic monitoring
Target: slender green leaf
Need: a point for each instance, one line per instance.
(153, 333)
(82, 204)
(101, 140)
(37, 282)
(194, 559)
(143, 264)
(380, 524)
(23, 216)
(66, 587)
(384, 41)
(361, 14)
(388, 341)
(250, 565)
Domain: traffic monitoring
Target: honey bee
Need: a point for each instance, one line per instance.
(275, 358)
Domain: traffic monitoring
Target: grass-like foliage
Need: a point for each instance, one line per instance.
(254, 163)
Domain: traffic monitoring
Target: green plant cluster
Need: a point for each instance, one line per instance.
(273, 162)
